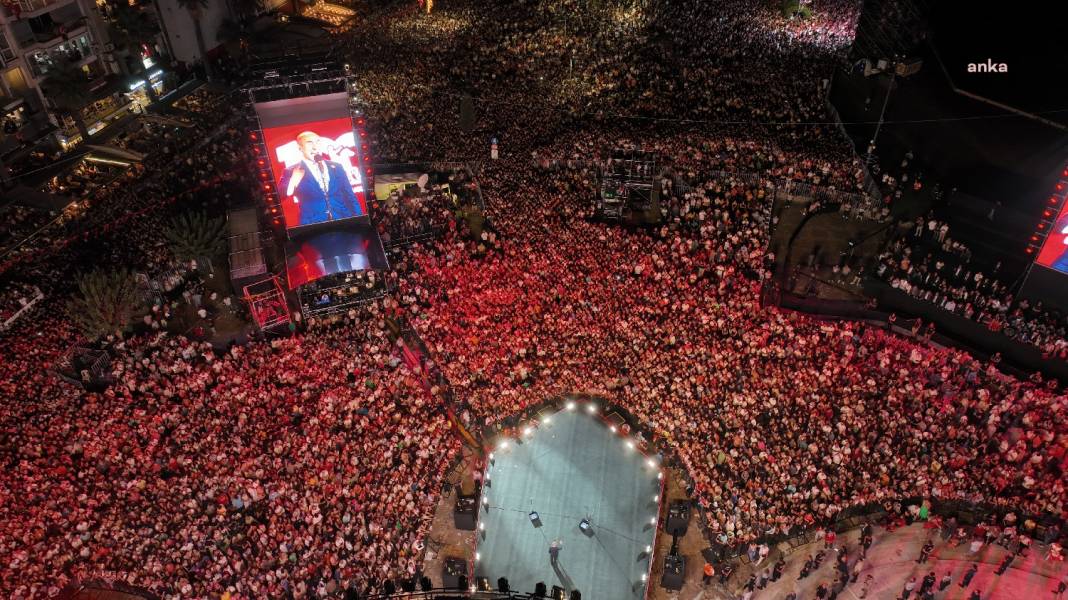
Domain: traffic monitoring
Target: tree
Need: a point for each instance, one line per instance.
(131, 28)
(106, 303)
(195, 235)
(234, 32)
(195, 7)
(68, 88)
(245, 10)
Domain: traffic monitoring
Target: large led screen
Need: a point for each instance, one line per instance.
(316, 161)
(320, 252)
(1054, 252)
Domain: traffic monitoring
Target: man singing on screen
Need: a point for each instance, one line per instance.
(320, 186)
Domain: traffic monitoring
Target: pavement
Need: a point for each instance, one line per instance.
(891, 561)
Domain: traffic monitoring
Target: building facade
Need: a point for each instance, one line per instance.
(34, 35)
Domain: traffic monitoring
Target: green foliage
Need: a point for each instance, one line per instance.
(68, 87)
(106, 303)
(194, 235)
(246, 9)
(231, 31)
(131, 27)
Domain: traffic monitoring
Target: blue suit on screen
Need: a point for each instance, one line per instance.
(1061, 263)
(317, 205)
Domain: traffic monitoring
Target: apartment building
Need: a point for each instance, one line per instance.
(34, 35)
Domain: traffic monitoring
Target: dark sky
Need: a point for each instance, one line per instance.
(1030, 36)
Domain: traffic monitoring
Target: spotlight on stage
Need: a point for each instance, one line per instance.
(591, 408)
(535, 519)
(502, 585)
(646, 554)
(482, 583)
(540, 590)
(558, 593)
(570, 406)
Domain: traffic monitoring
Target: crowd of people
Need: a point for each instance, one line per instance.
(303, 466)
(412, 213)
(925, 262)
(295, 468)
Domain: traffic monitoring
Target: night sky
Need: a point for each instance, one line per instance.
(1031, 37)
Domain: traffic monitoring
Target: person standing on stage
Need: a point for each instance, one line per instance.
(554, 550)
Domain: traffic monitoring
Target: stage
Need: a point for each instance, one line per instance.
(569, 469)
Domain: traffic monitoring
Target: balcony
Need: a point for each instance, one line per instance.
(25, 9)
(42, 40)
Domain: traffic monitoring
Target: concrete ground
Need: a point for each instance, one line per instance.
(891, 561)
(827, 235)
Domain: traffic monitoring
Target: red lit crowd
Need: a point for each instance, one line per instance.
(305, 466)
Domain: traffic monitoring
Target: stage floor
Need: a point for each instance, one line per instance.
(570, 469)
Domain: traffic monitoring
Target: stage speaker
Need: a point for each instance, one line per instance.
(425, 584)
(465, 515)
(576, 595)
(452, 571)
(540, 590)
(502, 585)
(674, 572)
(678, 518)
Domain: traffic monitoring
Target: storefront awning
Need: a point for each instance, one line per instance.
(117, 152)
(133, 83)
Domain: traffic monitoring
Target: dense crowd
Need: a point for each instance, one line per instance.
(302, 466)
(782, 421)
(287, 469)
(925, 262)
